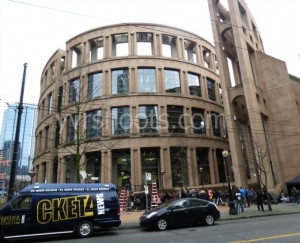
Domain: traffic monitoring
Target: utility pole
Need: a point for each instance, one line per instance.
(15, 156)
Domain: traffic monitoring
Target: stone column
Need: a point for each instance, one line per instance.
(162, 112)
(165, 164)
(191, 166)
(106, 167)
(213, 169)
(194, 166)
(49, 170)
(136, 167)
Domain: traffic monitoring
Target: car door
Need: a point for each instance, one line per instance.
(180, 213)
(18, 217)
(198, 210)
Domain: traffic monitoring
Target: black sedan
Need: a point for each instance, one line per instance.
(181, 212)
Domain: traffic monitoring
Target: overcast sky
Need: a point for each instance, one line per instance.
(32, 30)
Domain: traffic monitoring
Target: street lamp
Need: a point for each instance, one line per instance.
(161, 179)
(232, 210)
(31, 174)
(201, 173)
(122, 174)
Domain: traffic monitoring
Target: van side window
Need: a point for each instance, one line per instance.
(111, 197)
(22, 202)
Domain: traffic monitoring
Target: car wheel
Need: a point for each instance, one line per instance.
(209, 220)
(162, 224)
(84, 229)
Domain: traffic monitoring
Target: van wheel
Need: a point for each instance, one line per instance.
(84, 229)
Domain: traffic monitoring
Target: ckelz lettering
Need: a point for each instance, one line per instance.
(65, 208)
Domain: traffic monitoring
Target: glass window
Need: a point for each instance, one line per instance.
(147, 80)
(23, 202)
(57, 134)
(72, 122)
(190, 51)
(211, 89)
(49, 103)
(120, 81)
(148, 119)
(59, 99)
(179, 168)
(46, 136)
(95, 85)
(144, 44)
(70, 170)
(96, 49)
(93, 124)
(194, 84)
(216, 121)
(169, 48)
(74, 90)
(120, 45)
(93, 164)
(172, 81)
(198, 121)
(181, 204)
(76, 56)
(175, 119)
(206, 57)
(120, 120)
(202, 162)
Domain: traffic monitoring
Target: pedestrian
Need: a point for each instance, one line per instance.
(238, 201)
(243, 196)
(260, 200)
(295, 195)
(251, 196)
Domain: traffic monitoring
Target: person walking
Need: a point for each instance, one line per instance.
(238, 201)
(295, 195)
(260, 200)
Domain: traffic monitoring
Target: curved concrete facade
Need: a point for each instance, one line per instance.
(128, 99)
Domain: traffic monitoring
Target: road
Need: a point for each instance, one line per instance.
(275, 229)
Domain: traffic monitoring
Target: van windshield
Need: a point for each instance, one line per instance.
(22, 202)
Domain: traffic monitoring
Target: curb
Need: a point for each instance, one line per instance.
(132, 225)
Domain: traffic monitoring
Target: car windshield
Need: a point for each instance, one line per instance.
(166, 204)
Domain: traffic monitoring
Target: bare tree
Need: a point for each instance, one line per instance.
(81, 121)
(258, 157)
(179, 164)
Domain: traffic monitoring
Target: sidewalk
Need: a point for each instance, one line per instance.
(131, 219)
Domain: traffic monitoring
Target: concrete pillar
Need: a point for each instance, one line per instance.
(213, 168)
(136, 167)
(106, 167)
(166, 166)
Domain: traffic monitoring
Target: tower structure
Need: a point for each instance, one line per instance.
(260, 103)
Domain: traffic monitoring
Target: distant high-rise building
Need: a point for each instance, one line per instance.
(26, 138)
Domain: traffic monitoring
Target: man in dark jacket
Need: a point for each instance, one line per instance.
(260, 200)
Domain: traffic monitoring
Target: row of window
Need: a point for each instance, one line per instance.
(145, 46)
(120, 83)
(146, 80)
(149, 121)
(150, 163)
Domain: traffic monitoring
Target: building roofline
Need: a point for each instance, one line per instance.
(139, 24)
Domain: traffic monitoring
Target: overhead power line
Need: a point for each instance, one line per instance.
(53, 9)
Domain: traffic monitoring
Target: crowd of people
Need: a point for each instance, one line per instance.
(137, 200)
(242, 197)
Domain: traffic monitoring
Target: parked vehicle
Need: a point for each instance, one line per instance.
(51, 209)
(181, 212)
